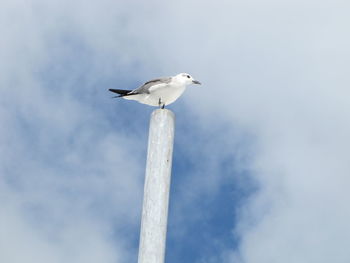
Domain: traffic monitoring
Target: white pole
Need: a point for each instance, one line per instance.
(157, 185)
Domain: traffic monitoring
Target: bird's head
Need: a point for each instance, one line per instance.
(186, 79)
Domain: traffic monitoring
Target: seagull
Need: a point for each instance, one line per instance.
(158, 92)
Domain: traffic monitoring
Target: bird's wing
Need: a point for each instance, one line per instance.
(151, 85)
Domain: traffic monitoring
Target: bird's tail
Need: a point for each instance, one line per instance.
(121, 92)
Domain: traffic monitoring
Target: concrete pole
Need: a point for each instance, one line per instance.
(157, 186)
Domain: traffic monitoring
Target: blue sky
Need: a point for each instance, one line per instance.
(261, 163)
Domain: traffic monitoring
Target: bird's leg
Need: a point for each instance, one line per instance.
(160, 104)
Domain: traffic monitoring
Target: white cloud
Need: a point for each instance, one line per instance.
(70, 181)
(276, 70)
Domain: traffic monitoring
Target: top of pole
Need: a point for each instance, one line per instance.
(163, 112)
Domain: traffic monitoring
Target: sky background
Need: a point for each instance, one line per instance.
(261, 160)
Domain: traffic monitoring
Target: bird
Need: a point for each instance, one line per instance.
(158, 92)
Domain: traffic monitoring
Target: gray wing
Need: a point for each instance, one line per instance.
(145, 87)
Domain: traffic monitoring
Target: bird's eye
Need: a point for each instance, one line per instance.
(188, 76)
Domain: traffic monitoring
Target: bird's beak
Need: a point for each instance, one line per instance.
(196, 82)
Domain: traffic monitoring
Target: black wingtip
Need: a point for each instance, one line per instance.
(120, 91)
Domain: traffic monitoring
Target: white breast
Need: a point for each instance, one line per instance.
(165, 92)
(168, 94)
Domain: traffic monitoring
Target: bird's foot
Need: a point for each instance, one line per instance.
(161, 104)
